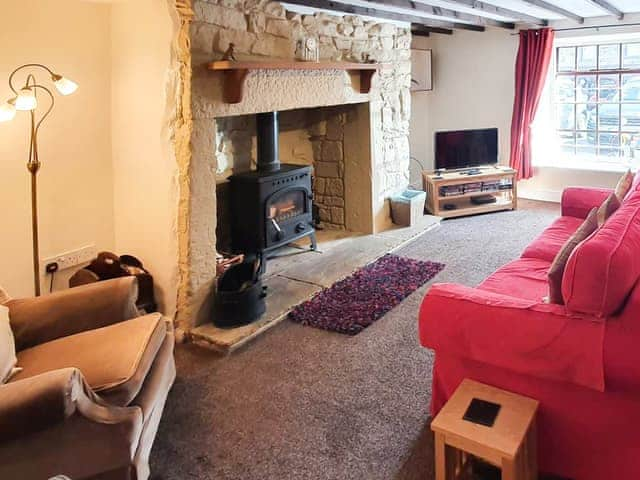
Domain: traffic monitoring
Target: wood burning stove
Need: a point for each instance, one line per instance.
(272, 205)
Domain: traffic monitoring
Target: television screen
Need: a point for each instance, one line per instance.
(466, 148)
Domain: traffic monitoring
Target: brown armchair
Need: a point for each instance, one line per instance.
(93, 384)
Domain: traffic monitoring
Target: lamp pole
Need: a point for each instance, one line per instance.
(26, 100)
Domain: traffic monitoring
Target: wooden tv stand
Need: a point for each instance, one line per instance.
(506, 198)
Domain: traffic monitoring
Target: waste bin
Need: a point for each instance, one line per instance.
(408, 207)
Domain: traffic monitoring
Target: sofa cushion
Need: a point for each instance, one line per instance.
(547, 245)
(602, 270)
(559, 264)
(608, 208)
(114, 359)
(7, 347)
(624, 185)
(525, 278)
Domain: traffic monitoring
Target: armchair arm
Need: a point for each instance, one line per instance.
(579, 201)
(523, 336)
(42, 319)
(43, 401)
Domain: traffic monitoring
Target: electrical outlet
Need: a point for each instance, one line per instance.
(72, 258)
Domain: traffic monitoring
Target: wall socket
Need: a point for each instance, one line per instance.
(72, 258)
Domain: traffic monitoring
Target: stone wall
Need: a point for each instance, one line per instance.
(261, 30)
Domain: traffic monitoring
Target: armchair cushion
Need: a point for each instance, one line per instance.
(114, 360)
(7, 346)
(42, 319)
(4, 296)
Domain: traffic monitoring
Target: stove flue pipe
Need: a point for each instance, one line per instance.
(267, 139)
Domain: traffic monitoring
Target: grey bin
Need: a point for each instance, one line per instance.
(408, 207)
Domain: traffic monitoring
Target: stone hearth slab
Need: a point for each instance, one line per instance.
(282, 295)
(297, 274)
(347, 256)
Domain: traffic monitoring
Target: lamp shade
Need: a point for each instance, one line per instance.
(26, 99)
(7, 112)
(64, 85)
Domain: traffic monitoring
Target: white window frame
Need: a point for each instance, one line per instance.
(547, 148)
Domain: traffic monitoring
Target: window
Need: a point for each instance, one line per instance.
(596, 99)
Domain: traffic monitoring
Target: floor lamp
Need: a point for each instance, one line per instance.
(25, 99)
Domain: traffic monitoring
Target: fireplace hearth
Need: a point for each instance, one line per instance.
(272, 205)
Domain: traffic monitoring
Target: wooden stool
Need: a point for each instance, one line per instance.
(510, 444)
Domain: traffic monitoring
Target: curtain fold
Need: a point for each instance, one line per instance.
(532, 66)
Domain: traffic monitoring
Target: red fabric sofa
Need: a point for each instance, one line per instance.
(580, 360)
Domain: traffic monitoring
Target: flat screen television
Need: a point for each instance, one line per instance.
(466, 148)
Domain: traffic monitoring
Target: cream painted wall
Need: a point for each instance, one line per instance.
(145, 169)
(76, 197)
(473, 87)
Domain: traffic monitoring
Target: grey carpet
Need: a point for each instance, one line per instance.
(302, 403)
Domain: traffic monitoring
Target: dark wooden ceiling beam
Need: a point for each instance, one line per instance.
(607, 7)
(422, 31)
(483, 7)
(446, 13)
(386, 14)
(555, 9)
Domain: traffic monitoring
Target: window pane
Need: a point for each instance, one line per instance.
(565, 89)
(631, 88)
(631, 55)
(586, 116)
(587, 58)
(567, 142)
(630, 117)
(566, 117)
(567, 59)
(609, 117)
(609, 86)
(609, 57)
(609, 144)
(630, 145)
(586, 143)
(586, 86)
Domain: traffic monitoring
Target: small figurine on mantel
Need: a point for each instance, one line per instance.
(308, 49)
(229, 54)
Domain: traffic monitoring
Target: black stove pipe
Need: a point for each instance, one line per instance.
(267, 136)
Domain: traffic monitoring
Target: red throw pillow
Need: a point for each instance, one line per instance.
(556, 271)
(608, 208)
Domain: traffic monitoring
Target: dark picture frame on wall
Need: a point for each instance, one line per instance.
(421, 77)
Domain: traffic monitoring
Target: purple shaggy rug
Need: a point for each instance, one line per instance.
(352, 304)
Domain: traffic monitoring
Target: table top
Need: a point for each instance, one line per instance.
(446, 176)
(511, 425)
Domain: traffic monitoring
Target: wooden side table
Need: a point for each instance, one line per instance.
(510, 444)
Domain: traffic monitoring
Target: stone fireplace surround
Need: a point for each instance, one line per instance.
(325, 138)
(370, 129)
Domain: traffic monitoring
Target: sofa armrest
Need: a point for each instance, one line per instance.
(523, 336)
(42, 319)
(579, 201)
(40, 402)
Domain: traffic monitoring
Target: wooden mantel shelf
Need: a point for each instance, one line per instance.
(236, 72)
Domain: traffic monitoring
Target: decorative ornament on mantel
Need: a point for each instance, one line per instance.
(308, 49)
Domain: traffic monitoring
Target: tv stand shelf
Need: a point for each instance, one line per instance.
(482, 183)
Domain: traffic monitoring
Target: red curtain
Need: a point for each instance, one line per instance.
(532, 65)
